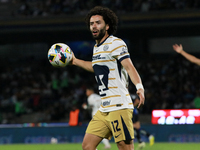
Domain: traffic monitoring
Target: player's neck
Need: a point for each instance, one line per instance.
(101, 40)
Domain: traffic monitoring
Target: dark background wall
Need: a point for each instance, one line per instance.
(138, 28)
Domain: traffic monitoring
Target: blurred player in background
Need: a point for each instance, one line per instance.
(94, 103)
(111, 64)
(191, 58)
(137, 125)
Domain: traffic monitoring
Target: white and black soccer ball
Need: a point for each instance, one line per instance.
(59, 55)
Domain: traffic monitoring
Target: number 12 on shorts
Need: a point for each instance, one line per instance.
(115, 126)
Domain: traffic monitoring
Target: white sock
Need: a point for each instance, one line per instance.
(106, 142)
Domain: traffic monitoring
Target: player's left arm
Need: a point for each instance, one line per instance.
(135, 78)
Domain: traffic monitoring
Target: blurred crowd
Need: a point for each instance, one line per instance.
(27, 87)
(170, 83)
(50, 92)
(80, 7)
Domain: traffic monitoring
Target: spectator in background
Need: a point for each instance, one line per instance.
(75, 116)
(191, 58)
(94, 102)
(195, 60)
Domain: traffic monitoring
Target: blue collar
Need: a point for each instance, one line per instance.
(103, 41)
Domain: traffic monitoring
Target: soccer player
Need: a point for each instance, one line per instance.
(137, 125)
(191, 58)
(111, 65)
(94, 102)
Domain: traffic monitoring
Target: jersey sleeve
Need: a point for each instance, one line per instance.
(120, 50)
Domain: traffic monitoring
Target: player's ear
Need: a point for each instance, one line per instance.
(107, 27)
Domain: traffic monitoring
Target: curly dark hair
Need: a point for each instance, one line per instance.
(108, 15)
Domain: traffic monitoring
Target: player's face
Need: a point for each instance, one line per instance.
(98, 27)
(88, 92)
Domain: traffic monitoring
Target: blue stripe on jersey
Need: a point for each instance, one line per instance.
(127, 56)
(101, 75)
(126, 132)
(119, 66)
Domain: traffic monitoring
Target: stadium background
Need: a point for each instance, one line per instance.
(31, 92)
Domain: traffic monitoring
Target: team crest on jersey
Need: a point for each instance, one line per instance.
(105, 48)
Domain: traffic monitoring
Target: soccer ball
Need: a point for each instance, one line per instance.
(59, 55)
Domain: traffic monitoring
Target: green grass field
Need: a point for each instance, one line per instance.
(156, 146)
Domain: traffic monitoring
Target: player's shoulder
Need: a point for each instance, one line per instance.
(115, 39)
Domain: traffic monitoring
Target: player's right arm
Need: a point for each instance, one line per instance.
(87, 65)
(191, 58)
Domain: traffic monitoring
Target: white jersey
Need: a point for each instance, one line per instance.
(94, 100)
(111, 77)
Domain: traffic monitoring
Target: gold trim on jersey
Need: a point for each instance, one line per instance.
(111, 105)
(113, 87)
(102, 61)
(112, 69)
(109, 51)
(113, 95)
(111, 78)
(110, 96)
(107, 43)
(104, 44)
(101, 52)
(117, 105)
(110, 42)
(117, 48)
(117, 39)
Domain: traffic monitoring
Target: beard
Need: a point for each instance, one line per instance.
(101, 34)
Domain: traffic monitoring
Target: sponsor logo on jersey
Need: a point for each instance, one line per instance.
(106, 103)
(124, 50)
(97, 57)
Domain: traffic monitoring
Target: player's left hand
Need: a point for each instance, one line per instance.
(140, 93)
